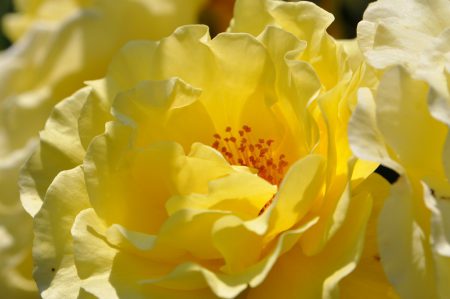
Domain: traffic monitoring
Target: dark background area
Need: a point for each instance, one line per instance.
(347, 13)
(5, 7)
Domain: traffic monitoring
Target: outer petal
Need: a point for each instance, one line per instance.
(406, 124)
(146, 60)
(440, 239)
(60, 149)
(303, 19)
(52, 250)
(405, 253)
(387, 37)
(368, 277)
(15, 255)
(434, 66)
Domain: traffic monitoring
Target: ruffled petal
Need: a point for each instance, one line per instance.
(53, 247)
(60, 149)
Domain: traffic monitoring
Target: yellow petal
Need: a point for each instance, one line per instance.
(297, 85)
(60, 149)
(240, 192)
(405, 253)
(95, 113)
(365, 138)
(53, 247)
(301, 186)
(231, 88)
(202, 165)
(254, 16)
(93, 272)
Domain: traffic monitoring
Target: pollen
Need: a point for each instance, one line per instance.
(241, 148)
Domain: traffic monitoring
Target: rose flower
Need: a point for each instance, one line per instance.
(404, 125)
(208, 168)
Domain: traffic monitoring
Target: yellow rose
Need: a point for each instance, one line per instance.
(207, 168)
(416, 35)
(404, 125)
(396, 128)
(58, 45)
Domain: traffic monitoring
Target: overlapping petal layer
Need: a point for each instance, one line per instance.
(404, 125)
(57, 46)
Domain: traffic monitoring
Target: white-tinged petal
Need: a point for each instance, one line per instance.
(365, 138)
(404, 245)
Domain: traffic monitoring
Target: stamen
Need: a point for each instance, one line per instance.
(266, 205)
(241, 150)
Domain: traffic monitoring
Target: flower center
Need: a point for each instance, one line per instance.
(258, 154)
